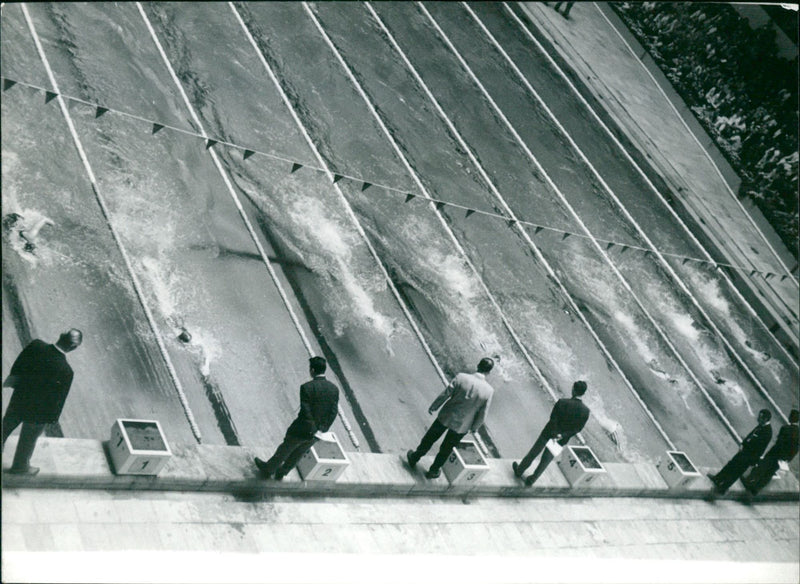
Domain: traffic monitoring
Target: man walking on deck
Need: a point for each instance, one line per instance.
(464, 404)
(319, 400)
(753, 446)
(41, 378)
(568, 417)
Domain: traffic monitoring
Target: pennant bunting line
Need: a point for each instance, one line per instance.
(439, 205)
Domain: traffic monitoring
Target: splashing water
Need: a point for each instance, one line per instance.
(447, 282)
(323, 232)
(611, 427)
(710, 291)
(152, 229)
(711, 358)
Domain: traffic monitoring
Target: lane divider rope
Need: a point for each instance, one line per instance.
(630, 160)
(117, 240)
(578, 219)
(242, 213)
(705, 152)
(675, 277)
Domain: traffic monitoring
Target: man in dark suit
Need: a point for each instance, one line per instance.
(41, 378)
(568, 417)
(785, 448)
(319, 400)
(753, 446)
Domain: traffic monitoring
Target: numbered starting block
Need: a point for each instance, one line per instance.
(677, 470)
(325, 461)
(138, 447)
(579, 465)
(466, 464)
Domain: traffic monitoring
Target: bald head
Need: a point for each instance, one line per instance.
(70, 340)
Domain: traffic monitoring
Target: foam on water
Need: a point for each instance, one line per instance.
(712, 358)
(151, 231)
(337, 262)
(446, 281)
(710, 291)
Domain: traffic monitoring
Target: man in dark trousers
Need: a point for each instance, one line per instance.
(41, 378)
(568, 417)
(464, 402)
(753, 446)
(785, 448)
(319, 400)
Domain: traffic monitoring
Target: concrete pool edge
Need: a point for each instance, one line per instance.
(68, 463)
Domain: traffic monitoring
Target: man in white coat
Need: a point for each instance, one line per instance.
(464, 402)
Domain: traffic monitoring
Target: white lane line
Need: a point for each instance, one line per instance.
(348, 209)
(523, 232)
(107, 215)
(574, 214)
(606, 352)
(243, 214)
(675, 277)
(705, 152)
(633, 163)
(432, 205)
(535, 248)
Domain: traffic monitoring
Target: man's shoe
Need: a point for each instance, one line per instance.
(433, 473)
(517, 472)
(529, 481)
(29, 471)
(262, 466)
(412, 460)
(278, 477)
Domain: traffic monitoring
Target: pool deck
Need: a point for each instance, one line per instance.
(210, 498)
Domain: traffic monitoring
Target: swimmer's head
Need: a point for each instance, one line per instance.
(184, 337)
(11, 220)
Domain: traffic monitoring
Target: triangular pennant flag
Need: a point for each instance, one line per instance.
(157, 127)
(784, 277)
(8, 84)
(609, 246)
(566, 235)
(365, 186)
(247, 154)
(210, 143)
(49, 96)
(409, 196)
(511, 222)
(683, 263)
(537, 230)
(439, 205)
(469, 212)
(337, 178)
(768, 275)
(753, 273)
(624, 249)
(296, 166)
(646, 252)
(100, 111)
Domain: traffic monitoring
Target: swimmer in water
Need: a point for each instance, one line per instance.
(29, 235)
